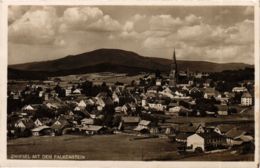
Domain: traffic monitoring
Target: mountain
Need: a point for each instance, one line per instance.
(113, 60)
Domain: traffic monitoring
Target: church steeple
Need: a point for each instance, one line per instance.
(174, 71)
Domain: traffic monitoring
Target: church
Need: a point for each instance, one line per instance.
(173, 76)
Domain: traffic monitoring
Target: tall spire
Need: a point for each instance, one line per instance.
(174, 62)
(174, 71)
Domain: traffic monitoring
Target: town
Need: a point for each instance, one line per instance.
(199, 112)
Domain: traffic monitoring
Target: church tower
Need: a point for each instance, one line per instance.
(174, 72)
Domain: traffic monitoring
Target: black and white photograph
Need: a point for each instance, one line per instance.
(131, 83)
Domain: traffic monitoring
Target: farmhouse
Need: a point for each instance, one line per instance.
(234, 136)
(130, 122)
(143, 126)
(42, 130)
(93, 129)
(205, 141)
(222, 110)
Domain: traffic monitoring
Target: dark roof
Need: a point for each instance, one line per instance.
(187, 128)
(222, 107)
(234, 133)
(210, 135)
(63, 122)
(246, 95)
(225, 127)
(108, 101)
(182, 136)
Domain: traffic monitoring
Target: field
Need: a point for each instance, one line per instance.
(108, 147)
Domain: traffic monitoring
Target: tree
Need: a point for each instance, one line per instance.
(158, 74)
(87, 88)
(104, 87)
(232, 111)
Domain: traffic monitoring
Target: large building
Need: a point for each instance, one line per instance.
(174, 72)
(246, 99)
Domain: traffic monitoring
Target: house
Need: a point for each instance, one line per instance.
(59, 125)
(68, 92)
(194, 90)
(90, 102)
(77, 109)
(28, 108)
(118, 109)
(210, 92)
(152, 89)
(76, 91)
(115, 97)
(174, 110)
(205, 141)
(222, 110)
(195, 142)
(130, 122)
(207, 83)
(24, 124)
(38, 123)
(87, 121)
(166, 93)
(239, 89)
(234, 136)
(82, 104)
(158, 82)
(246, 99)
(100, 102)
(223, 128)
(93, 129)
(42, 130)
(125, 108)
(156, 106)
(143, 126)
(51, 106)
(20, 124)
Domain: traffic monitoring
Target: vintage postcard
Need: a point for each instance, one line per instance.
(140, 83)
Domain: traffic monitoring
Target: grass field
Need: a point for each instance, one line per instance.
(108, 147)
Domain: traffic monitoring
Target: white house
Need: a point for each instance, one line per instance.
(158, 82)
(28, 108)
(115, 98)
(195, 141)
(82, 104)
(100, 102)
(76, 91)
(20, 124)
(246, 99)
(156, 106)
(143, 124)
(37, 123)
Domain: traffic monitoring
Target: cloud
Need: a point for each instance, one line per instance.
(249, 11)
(192, 20)
(80, 29)
(164, 22)
(35, 26)
(15, 12)
(87, 18)
(242, 33)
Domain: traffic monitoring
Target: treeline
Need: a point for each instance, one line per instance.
(233, 76)
(103, 67)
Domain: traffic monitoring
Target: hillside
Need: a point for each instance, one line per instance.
(113, 60)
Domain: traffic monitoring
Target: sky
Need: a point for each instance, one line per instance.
(219, 34)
